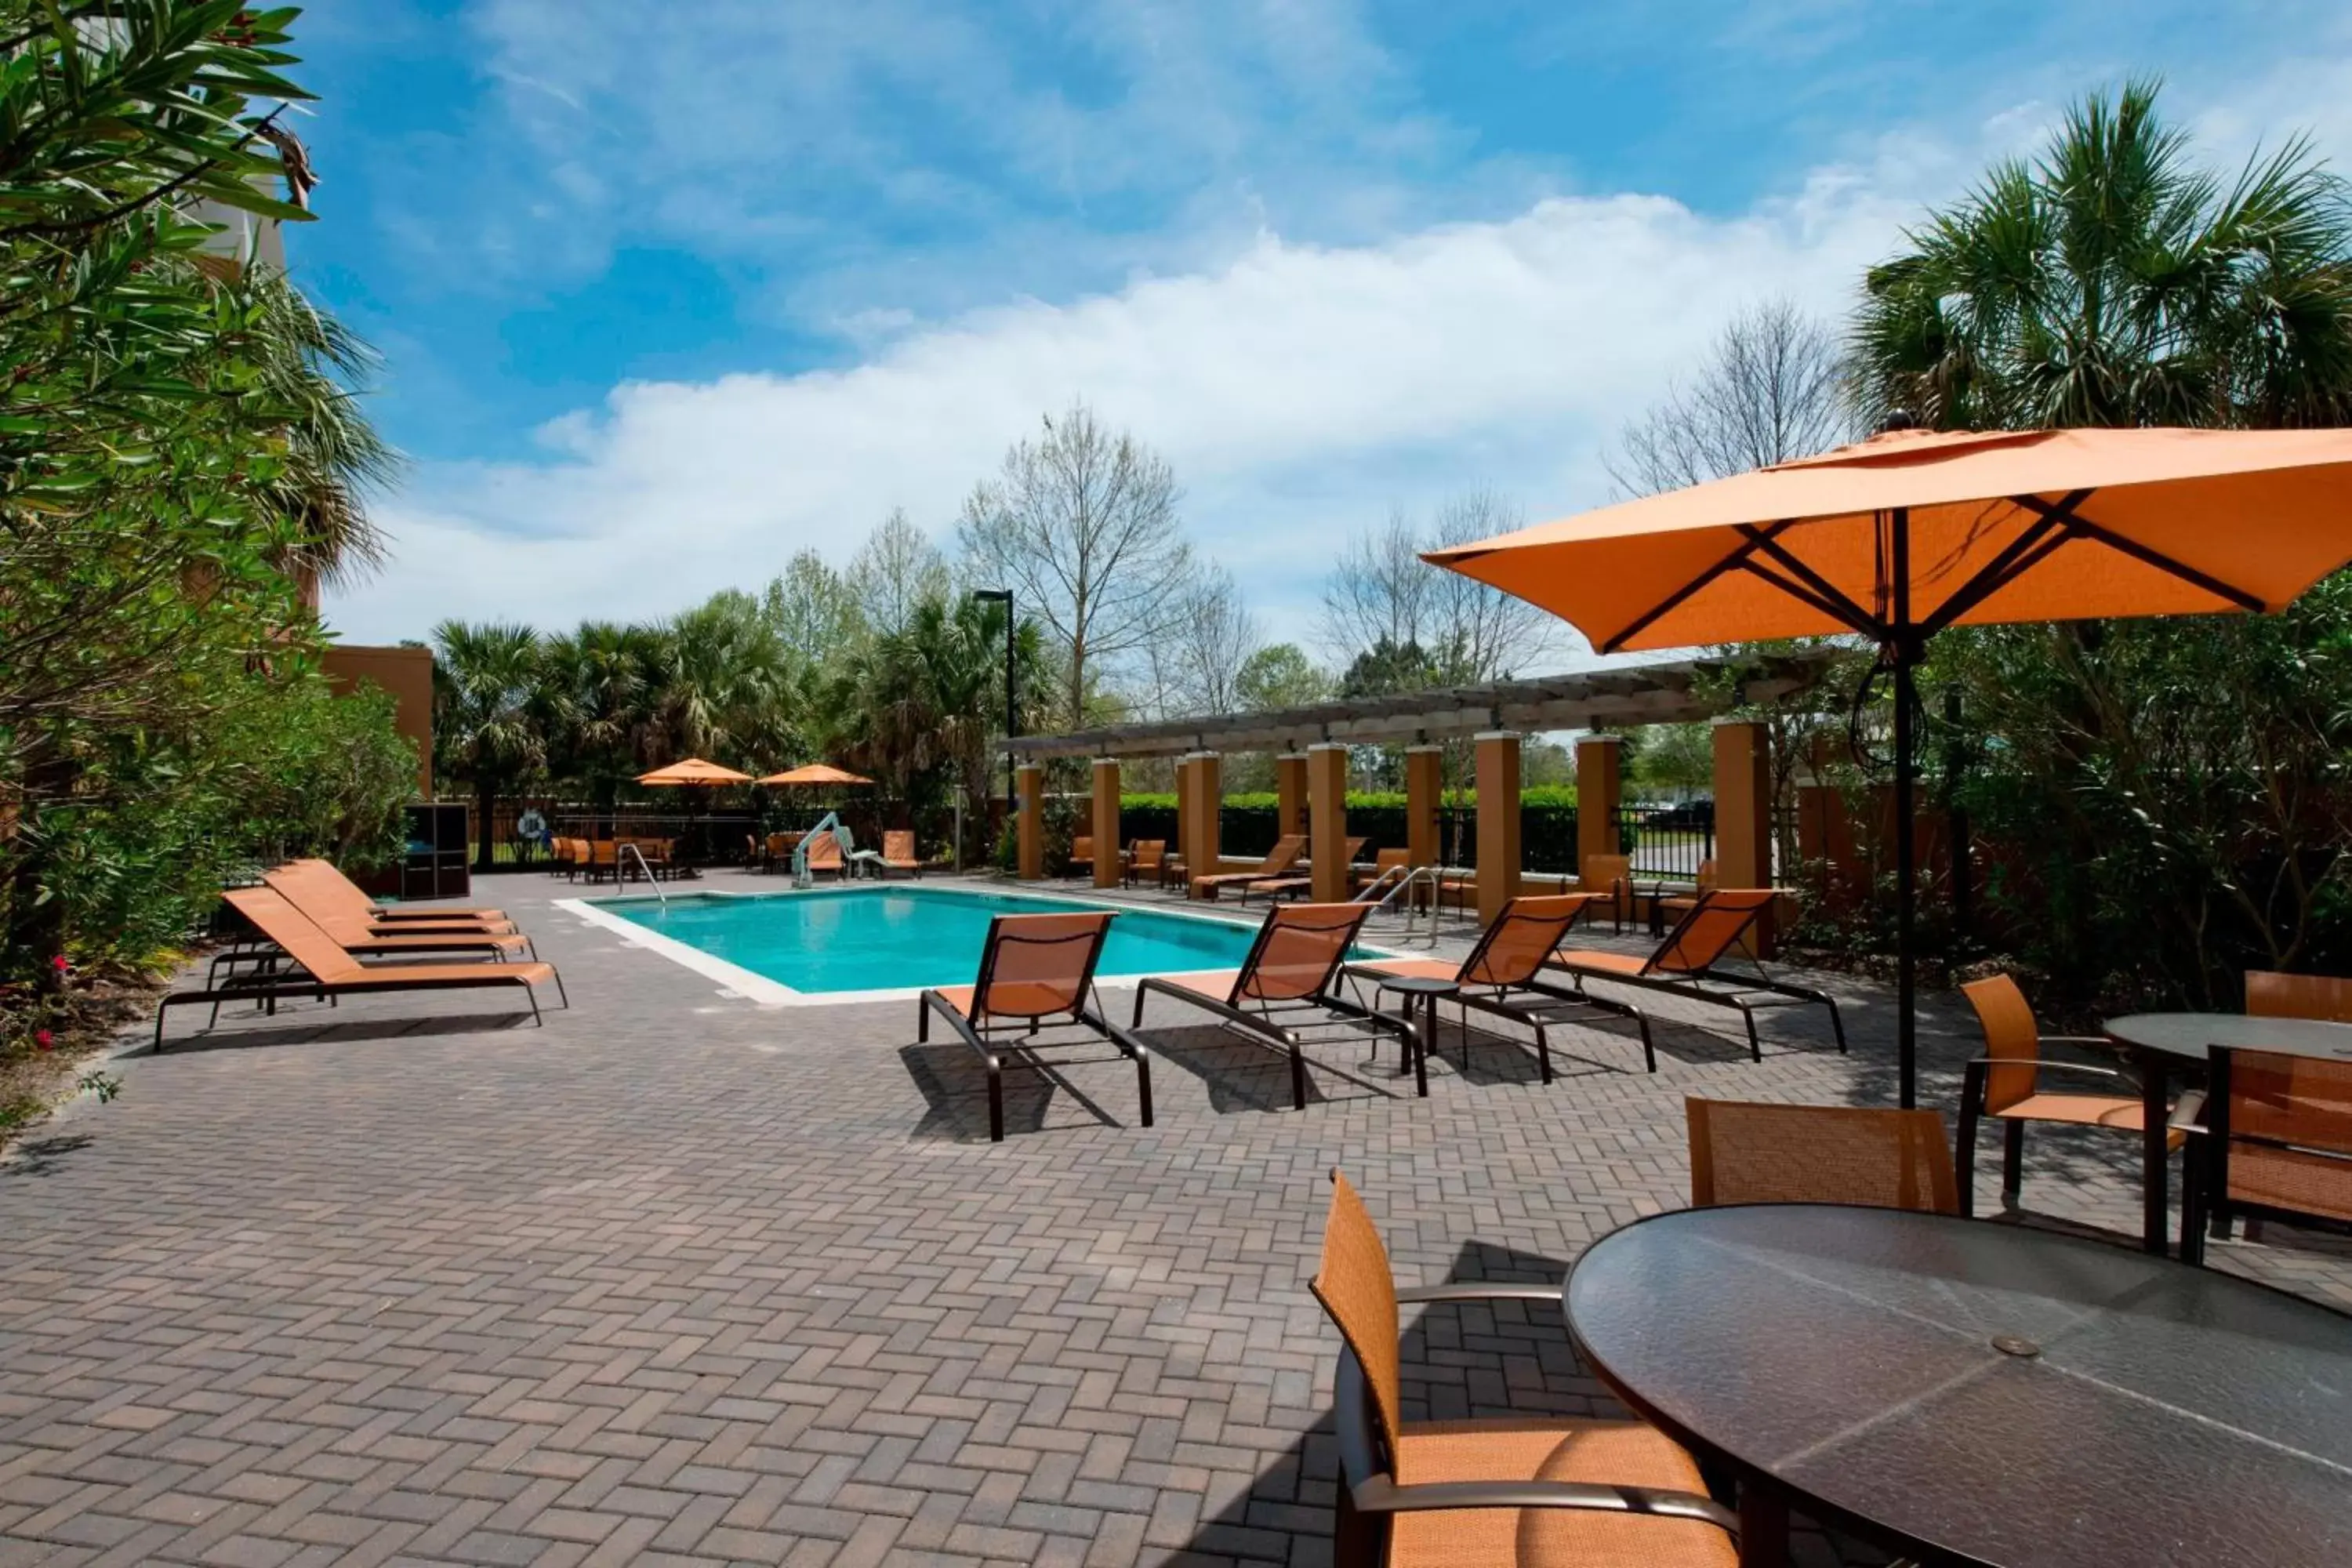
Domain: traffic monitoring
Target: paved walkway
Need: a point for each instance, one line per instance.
(680, 1279)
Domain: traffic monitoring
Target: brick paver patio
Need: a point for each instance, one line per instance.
(681, 1279)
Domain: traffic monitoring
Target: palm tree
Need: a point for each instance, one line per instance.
(486, 679)
(2114, 282)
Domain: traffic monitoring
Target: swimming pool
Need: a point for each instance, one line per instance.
(904, 938)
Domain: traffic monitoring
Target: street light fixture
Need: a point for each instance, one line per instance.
(1012, 709)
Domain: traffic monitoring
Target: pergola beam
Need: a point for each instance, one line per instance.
(1680, 691)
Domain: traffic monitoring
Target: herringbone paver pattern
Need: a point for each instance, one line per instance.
(682, 1279)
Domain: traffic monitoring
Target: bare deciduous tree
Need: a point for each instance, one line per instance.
(1082, 525)
(1383, 599)
(895, 569)
(1214, 641)
(1772, 388)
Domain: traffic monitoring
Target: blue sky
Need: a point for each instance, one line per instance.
(667, 291)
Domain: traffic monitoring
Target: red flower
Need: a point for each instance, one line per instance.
(61, 964)
(44, 1041)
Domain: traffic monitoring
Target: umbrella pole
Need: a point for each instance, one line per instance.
(1907, 888)
(1906, 868)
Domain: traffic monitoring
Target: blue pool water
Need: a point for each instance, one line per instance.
(881, 939)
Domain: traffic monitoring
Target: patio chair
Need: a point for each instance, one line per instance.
(1549, 1491)
(315, 885)
(1143, 858)
(1033, 969)
(2005, 1083)
(1082, 856)
(2273, 1141)
(1280, 858)
(1745, 1153)
(1686, 964)
(1611, 876)
(1502, 975)
(359, 935)
(327, 970)
(898, 852)
(603, 859)
(1298, 884)
(1665, 906)
(824, 854)
(399, 912)
(2271, 995)
(1289, 974)
(1387, 865)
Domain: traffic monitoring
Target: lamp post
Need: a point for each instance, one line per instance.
(1012, 709)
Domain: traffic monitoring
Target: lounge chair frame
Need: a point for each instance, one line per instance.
(1016, 1036)
(1710, 982)
(1530, 1003)
(1262, 1018)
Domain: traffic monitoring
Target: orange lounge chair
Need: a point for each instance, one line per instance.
(318, 889)
(1686, 964)
(1280, 858)
(327, 970)
(1290, 972)
(898, 852)
(1033, 969)
(1298, 883)
(1559, 1491)
(355, 934)
(403, 912)
(1503, 974)
(1745, 1153)
(2005, 1083)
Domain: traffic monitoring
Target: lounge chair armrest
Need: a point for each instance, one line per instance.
(1479, 1290)
(1377, 1494)
(2188, 1113)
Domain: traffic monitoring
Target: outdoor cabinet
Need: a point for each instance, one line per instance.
(435, 865)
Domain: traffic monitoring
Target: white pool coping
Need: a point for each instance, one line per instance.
(736, 980)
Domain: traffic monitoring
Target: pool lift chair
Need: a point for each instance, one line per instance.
(802, 875)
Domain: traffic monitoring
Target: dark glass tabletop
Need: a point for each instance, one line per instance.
(2190, 1033)
(1980, 1391)
(1418, 985)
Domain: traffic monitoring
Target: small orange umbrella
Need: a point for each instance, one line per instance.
(1897, 537)
(694, 771)
(815, 774)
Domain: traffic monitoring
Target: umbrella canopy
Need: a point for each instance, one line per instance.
(694, 771)
(1910, 532)
(2032, 525)
(816, 774)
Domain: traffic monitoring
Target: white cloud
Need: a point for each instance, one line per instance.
(1299, 390)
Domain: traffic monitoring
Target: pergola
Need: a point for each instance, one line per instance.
(1310, 746)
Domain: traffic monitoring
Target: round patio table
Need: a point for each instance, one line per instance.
(2163, 1045)
(1964, 1391)
(1425, 991)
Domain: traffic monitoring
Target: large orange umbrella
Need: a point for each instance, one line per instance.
(815, 774)
(694, 771)
(1899, 536)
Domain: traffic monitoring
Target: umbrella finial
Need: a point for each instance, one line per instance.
(1898, 419)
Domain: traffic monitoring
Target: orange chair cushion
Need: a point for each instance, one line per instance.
(1625, 1453)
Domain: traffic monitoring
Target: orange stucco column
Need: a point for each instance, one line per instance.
(1327, 814)
(1106, 865)
(1183, 847)
(1208, 796)
(1425, 780)
(1597, 760)
(1029, 785)
(1743, 805)
(1498, 822)
(1290, 792)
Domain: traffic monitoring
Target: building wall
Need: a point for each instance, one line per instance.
(407, 674)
